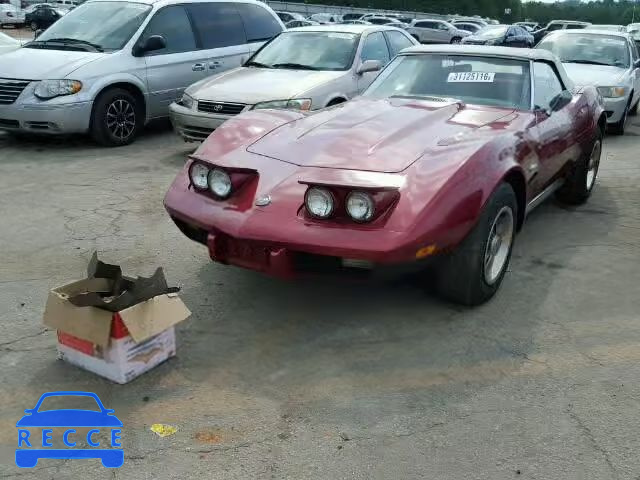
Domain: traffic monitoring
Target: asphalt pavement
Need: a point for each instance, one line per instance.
(330, 379)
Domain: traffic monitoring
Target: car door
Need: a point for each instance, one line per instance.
(374, 47)
(426, 31)
(260, 25)
(175, 67)
(220, 33)
(442, 33)
(554, 129)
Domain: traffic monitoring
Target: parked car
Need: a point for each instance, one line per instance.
(301, 69)
(436, 164)
(467, 26)
(501, 35)
(380, 20)
(355, 22)
(554, 25)
(289, 16)
(8, 44)
(606, 60)
(351, 16)
(43, 16)
(530, 26)
(108, 78)
(10, 15)
(325, 18)
(300, 23)
(613, 28)
(477, 21)
(436, 31)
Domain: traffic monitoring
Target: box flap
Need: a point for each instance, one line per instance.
(153, 316)
(87, 323)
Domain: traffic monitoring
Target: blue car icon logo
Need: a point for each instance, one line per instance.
(32, 447)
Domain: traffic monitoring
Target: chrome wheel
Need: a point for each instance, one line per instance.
(594, 163)
(496, 252)
(121, 118)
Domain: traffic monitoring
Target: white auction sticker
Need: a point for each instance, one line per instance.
(486, 77)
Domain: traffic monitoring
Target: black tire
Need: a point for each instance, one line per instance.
(634, 109)
(461, 278)
(336, 101)
(579, 184)
(117, 118)
(456, 40)
(33, 26)
(619, 127)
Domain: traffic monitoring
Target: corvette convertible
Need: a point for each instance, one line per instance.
(436, 165)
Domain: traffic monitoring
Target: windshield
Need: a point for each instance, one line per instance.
(472, 79)
(108, 25)
(308, 51)
(492, 31)
(588, 48)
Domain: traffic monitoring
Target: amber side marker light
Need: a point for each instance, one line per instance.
(426, 251)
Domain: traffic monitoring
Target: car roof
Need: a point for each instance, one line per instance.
(595, 31)
(572, 22)
(171, 2)
(341, 28)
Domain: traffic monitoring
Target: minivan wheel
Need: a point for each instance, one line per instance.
(116, 119)
(33, 26)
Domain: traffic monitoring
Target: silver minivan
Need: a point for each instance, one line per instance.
(110, 66)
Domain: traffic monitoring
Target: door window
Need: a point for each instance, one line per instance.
(375, 48)
(174, 26)
(425, 25)
(397, 42)
(442, 26)
(546, 84)
(217, 24)
(259, 24)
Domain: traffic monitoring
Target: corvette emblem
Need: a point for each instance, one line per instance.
(263, 201)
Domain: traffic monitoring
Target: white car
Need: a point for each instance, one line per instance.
(304, 69)
(7, 44)
(11, 15)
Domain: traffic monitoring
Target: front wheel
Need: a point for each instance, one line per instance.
(455, 40)
(117, 118)
(619, 127)
(579, 184)
(472, 274)
(33, 26)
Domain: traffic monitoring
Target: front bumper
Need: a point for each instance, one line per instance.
(614, 107)
(194, 126)
(46, 118)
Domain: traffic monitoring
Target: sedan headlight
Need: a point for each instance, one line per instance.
(319, 202)
(47, 89)
(612, 92)
(187, 101)
(360, 206)
(295, 104)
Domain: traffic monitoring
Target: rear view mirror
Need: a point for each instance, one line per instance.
(151, 44)
(369, 66)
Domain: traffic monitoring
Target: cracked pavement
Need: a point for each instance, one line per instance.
(326, 379)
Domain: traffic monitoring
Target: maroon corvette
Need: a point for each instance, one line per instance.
(437, 164)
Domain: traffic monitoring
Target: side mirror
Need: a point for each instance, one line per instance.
(151, 44)
(369, 66)
(38, 33)
(636, 64)
(560, 101)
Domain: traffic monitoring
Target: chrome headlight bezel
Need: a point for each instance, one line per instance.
(48, 89)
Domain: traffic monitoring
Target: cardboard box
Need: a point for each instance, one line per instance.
(118, 345)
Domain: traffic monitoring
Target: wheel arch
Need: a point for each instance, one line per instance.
(335, 100)
(130, 87)
(515, 178)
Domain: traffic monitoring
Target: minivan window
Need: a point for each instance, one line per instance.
(217, 24)
(259, 24)
(173, 24)
(108, 25)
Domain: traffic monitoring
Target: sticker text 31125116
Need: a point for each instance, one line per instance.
(457, 77)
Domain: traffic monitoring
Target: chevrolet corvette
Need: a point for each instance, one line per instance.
(436, 165)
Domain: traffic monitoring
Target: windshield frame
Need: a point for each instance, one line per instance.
(591, 33)
(530, 108)
(356, 48)
(133, 37)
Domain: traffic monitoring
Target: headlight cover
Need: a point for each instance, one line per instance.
(219, 183)
(360, 206)
(47, 89)
(295, 104)
(612, 92)
(199, 175)
(187, 101)
(319, 202)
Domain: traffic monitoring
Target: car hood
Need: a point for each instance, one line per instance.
(379, 135)
(69, 418)
(597, 75)
(36, 64)
(252, 85)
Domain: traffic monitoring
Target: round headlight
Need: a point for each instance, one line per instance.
(360, 206)
(219, 183)
(319, 202)
(199, 174)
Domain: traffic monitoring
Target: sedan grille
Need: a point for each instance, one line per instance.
(10, 90)
(221, 107)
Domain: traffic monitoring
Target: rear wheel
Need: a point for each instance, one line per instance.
(582, 179)
(117, 118)
(33, 26)
(456, 40)
(472, 274)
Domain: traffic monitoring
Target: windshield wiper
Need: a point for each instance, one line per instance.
(295, 66)
(257, 64)
(588, 62)
(66, 41)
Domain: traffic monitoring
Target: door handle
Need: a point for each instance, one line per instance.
(198, 67)
(214, 65)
